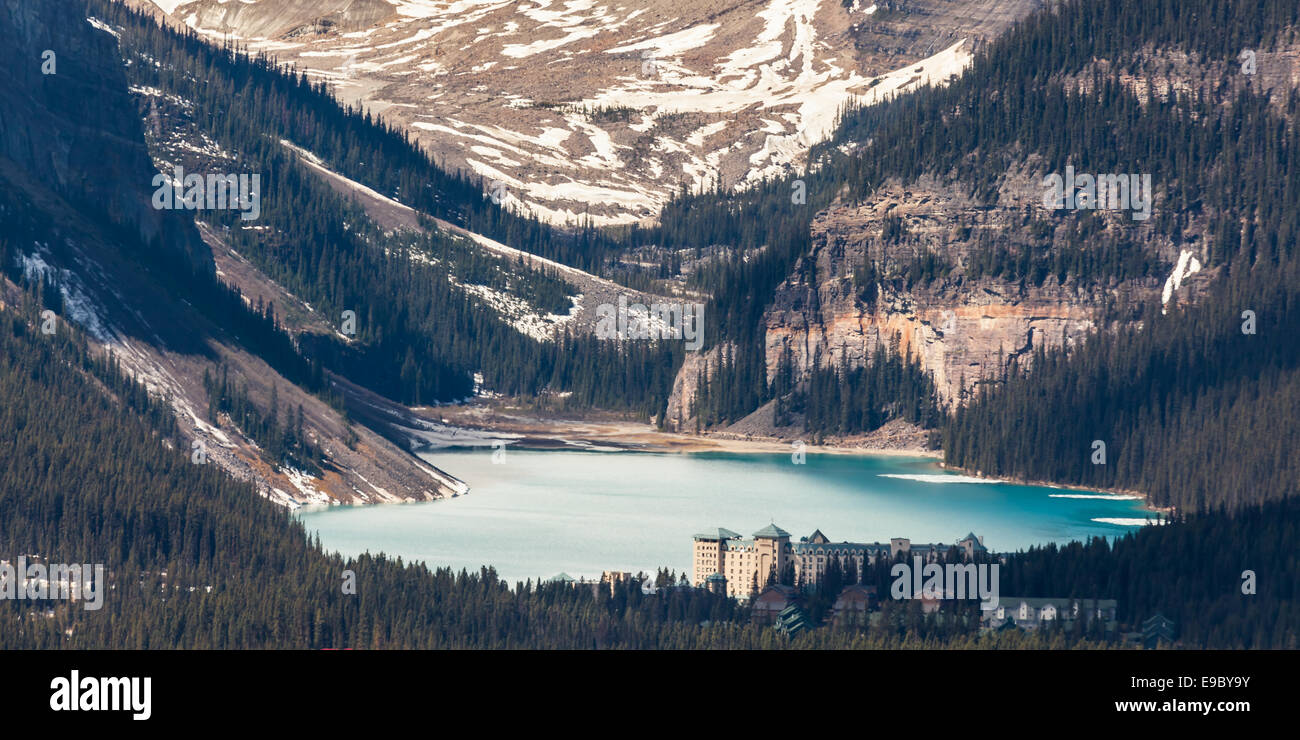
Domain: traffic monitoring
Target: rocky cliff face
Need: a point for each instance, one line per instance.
(958, 333)
(68, 122)
(961, 326)
(678, 416)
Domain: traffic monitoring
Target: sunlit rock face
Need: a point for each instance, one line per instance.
(963, 326)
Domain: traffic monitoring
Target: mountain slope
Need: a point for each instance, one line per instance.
(927, 220)
(78, 228)
(599, 112)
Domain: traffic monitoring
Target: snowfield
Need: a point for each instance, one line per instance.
(591, 110)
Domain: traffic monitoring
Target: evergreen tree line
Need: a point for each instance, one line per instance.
(1188, 406)
(1194, 408)
(256, 328)
(1228, 580)
(854, 400)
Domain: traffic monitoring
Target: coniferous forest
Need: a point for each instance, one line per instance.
(420, 338)
(1196, 405)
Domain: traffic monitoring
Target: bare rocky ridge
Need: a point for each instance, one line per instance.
(680, 415)
(589, 110)
(1274, 71)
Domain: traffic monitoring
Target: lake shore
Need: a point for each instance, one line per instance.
(1019, 480)
(531, 430)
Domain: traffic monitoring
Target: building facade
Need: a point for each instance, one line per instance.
(1032, 613)
(746, 564)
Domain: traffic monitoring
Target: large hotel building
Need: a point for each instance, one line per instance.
(725, 559)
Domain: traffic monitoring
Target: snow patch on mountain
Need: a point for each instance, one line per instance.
(521, 315)
(78, 306)
(1187, 266)
(589, 110)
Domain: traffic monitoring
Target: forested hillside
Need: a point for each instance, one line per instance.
(420, 337)
(1180, 396)
(1195, 407)
(1228, 580)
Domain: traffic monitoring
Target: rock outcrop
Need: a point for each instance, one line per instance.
(679, 415)
(961, 325)
(68, 122)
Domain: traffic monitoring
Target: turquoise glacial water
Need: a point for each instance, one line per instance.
(544, 512)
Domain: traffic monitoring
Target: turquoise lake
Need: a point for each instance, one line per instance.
(540, 513)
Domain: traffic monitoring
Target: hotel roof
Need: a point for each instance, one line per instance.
(771, 530)
(810, 547)
(718, 534)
